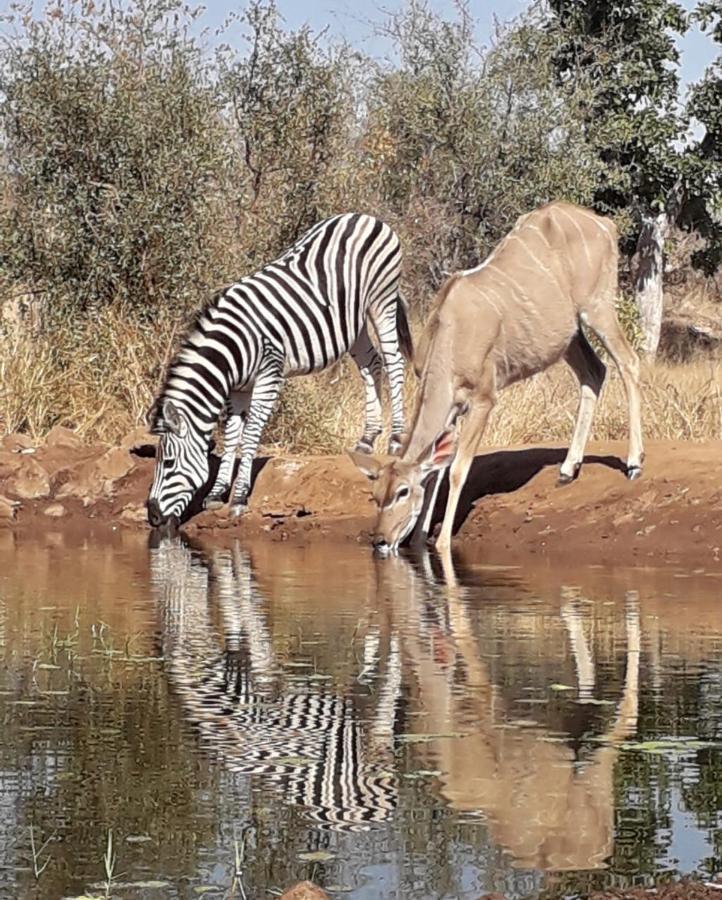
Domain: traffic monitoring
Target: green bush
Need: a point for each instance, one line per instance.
(118, 161)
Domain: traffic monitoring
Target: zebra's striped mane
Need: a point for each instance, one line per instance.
(200, 318)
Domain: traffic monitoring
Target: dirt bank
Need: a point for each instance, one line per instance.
(512, 508)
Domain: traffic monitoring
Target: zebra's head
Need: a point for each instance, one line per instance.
(399, 489)
(181, 466)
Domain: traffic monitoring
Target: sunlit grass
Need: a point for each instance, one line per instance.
(101, 383)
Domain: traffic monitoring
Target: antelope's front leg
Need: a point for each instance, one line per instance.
(238, 404)
(263, 399)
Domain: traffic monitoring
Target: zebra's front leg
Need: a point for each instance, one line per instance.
(265, 393)
(237, 410)
(369, 365)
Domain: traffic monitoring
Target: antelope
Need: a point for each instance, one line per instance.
(513, 316)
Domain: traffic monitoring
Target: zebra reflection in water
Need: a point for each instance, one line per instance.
(547, 803)
(313, 743)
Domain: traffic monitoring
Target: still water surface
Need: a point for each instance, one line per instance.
(275, 713)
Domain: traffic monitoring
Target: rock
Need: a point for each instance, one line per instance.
(8, 508)
(29, 480)
(98, 480)
(134, 513)
(16, 442)
(305, 890)
(58, 436)
(139, 442)
(683, 337)
(55, 510)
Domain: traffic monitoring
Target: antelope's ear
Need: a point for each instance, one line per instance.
(173, 418)
(440, 453)
(370, 466)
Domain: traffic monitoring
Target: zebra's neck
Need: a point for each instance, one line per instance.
(217, 355)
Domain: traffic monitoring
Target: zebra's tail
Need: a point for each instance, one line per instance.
(406, 343)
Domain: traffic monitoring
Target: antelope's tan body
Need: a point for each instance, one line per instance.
(513, 316)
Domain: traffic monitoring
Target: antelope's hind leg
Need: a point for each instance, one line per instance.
(590, 371)
(236, 412)
(602, 318)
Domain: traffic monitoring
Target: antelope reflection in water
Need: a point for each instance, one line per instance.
(333, 756)
(548, 810)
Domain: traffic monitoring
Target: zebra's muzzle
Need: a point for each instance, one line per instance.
(156, 519)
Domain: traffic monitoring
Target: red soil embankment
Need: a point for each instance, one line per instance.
(512, 508)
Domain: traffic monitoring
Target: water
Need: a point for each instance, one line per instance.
(273, 713)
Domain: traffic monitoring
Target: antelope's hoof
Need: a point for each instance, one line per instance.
(634, 472)
(566, 478)
(396, 443)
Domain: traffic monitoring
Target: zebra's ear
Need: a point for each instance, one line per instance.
(173, 419)
(152, 419)
(370, 467)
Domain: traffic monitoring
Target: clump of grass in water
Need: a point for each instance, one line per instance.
(109, 862)
(237, 879)
(38, 866)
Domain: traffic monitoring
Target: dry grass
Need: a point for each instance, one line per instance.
(681, 402)
(101, 383)
(98, 381)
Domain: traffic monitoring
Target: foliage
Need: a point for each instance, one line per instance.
(473, 139)
(704, 158)
(626, 53)
(116, 156)
(289, 102)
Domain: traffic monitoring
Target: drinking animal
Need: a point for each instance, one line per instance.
(297, 315)
(513, 316)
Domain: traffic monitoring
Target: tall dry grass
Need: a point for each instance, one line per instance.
(101, 381)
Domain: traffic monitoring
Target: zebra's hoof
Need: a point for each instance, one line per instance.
(634, 472)
(236, 510)
(213, 502)
(364, 447)
(396, 443)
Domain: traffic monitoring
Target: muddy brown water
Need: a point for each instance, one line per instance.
(240, 717)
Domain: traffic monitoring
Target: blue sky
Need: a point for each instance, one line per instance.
(350, 19)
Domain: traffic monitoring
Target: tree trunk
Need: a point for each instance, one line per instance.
(648, 281)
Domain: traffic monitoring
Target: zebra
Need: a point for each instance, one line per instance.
(310, 744)
(296, 315)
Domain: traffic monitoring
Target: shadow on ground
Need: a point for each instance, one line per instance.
(503, 472)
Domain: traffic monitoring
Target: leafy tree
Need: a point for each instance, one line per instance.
(290, 104)
(472, 138)
(625, 52)
(115, 156)
(703, 205)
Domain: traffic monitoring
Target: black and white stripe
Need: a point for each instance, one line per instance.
(311, 744)
(297, 315)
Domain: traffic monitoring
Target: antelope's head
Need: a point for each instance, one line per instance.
(181, 466)
(399, 488)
